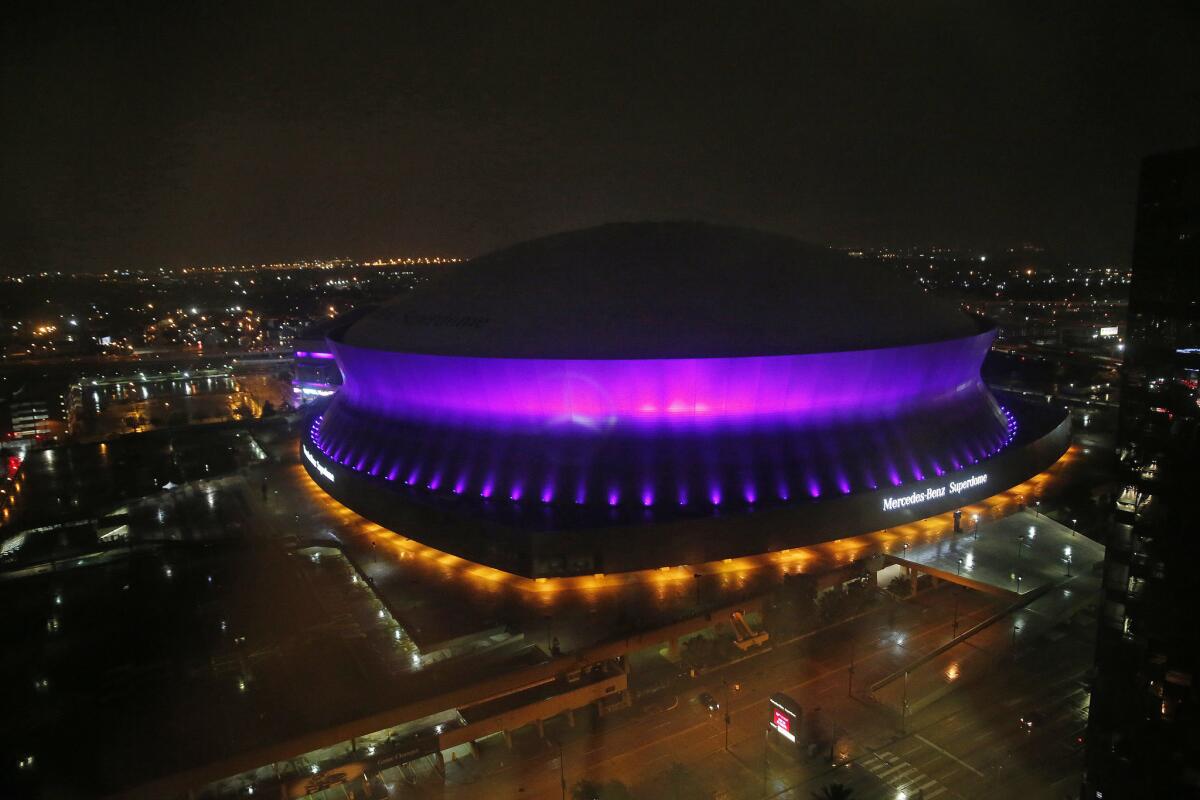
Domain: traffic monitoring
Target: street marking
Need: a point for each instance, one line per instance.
(949, 755)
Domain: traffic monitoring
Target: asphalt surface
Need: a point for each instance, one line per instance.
(966, 744)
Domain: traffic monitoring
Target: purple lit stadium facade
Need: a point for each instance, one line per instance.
(637, 396)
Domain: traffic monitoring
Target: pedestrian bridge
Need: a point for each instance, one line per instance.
(1008, 557)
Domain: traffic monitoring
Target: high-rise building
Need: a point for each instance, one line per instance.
(30, 419)
(1144, 726)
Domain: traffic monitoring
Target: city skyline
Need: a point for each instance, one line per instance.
(605, 402)
(150, 137)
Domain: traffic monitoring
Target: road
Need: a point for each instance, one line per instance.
(967, 744)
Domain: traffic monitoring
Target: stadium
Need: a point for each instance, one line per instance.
(636, 396)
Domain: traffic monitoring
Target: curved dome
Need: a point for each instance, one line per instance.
(642, 395)
(660, 290)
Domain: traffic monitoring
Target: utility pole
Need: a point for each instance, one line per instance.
(904, 706)
(562, 771)
(725, 703)
(766, 749)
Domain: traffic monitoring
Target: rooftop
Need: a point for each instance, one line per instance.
(660, 290)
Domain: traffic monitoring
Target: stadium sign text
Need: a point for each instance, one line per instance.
(325, 471)
(933, 492)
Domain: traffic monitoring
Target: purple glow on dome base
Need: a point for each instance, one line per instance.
(692, 434)
(698, 468)
(546, 393)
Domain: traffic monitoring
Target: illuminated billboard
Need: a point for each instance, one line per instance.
(785, 716)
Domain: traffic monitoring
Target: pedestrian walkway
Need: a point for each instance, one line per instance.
(907, 780)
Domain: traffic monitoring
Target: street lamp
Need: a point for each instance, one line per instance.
(954, 633)
(975, 519)
(850, 680)
(1018, 584)
(1073, 530)
(960, 566)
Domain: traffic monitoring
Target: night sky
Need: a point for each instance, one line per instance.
(140, 136)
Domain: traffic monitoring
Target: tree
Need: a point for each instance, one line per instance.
(834, 791)
(615, 790)
(586, 790)
(594, 790)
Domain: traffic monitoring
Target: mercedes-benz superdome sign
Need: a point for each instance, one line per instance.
(933, 492)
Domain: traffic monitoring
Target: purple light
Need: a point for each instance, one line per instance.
(689, 391)
(869, 477)
(603, 432)
(307, 354)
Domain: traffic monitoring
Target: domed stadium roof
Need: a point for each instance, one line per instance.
(660, 290)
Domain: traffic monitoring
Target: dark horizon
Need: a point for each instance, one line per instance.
(142, 138)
